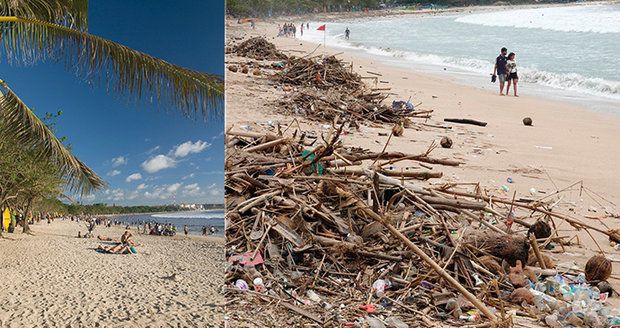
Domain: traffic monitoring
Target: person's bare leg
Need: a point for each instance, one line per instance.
(515, 86)
(501, 88)
(508, 86)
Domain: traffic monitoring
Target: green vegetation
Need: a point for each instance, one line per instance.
(265, 8)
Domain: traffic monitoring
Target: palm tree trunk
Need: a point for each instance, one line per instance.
(25, 217)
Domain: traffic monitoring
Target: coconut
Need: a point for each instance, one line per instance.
(491, 264)
(527, 121)
(256, 71)
(598, 268)
(533, 260)
(397, 130)
(446, 142)
(605, 287)
(244, 69)
(540, 229)
(521, 295)
(233, 68)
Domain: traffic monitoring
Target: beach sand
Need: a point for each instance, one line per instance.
(54, 279)
(567, 144)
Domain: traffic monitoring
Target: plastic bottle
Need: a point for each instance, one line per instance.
(553, 321)
(259, 286)
(380, 286)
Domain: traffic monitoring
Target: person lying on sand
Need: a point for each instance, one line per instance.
(118, 249)
(105, 238)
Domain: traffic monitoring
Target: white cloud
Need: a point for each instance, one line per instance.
(141, 186)
(215, 192)
(192, 190)
(189, 176)
(152, 150)
(189, 147)
(173, 188)
(158, 163)
(114, 173)
(116, 195)
(134, 177)
(88, 198)
(118, 161)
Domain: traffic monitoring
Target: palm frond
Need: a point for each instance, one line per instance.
(69, 13)
(122, 70)
(30, 132)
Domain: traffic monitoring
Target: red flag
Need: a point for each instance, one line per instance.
(321, 28)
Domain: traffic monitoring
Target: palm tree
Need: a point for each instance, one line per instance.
(57, 30)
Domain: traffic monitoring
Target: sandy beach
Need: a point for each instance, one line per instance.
(53, 279)
(567, 143)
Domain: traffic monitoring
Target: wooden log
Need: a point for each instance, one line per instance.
(541, 261)
(266, 145)
(465, 121)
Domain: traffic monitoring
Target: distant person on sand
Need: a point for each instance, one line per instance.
(301, 29)
(347, 33)
(500, 69)
(511, 69)
(185, 230)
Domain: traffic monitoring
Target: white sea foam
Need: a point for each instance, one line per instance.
(216, 214)
(597, 19)
(567, 81)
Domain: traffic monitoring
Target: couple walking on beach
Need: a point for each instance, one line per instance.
(506, 70)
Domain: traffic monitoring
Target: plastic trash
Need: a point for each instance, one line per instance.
(259, 286)
(533, 191)
(396, 322)
(374, 322)
(470, 316)
(380, 286)
(509, 180)
(553, 321)
(241, 284)
(505, 188)
(313, 296)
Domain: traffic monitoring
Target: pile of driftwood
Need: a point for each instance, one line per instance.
(324, 88)
(319, 72)
(258, 48)
(327, 105)
(318, 234)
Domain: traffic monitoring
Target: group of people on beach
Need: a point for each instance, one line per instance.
(287, 30)
(505, 70)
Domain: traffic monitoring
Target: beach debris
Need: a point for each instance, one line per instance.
(540, 229)
(256, 72)
(527, 121)
(465, 121)
(233, 68)
(598, 268)
(320, 225)
(397, 130)
(244, 69)
(258, 48)
(446, 142)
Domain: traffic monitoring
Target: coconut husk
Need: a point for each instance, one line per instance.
(533, 260)
(527, 121)
(258, 48)
(598, 268)
(446, 142)
(521, 295)
(491, 264)
(506, 247)
(397, 130)
(540, 229)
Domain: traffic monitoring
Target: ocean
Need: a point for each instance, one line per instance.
(567, 52)
(194, 220)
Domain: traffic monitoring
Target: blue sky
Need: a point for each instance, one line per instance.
(148, 154)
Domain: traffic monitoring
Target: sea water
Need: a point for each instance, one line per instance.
(572, 52)
(194, 220)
